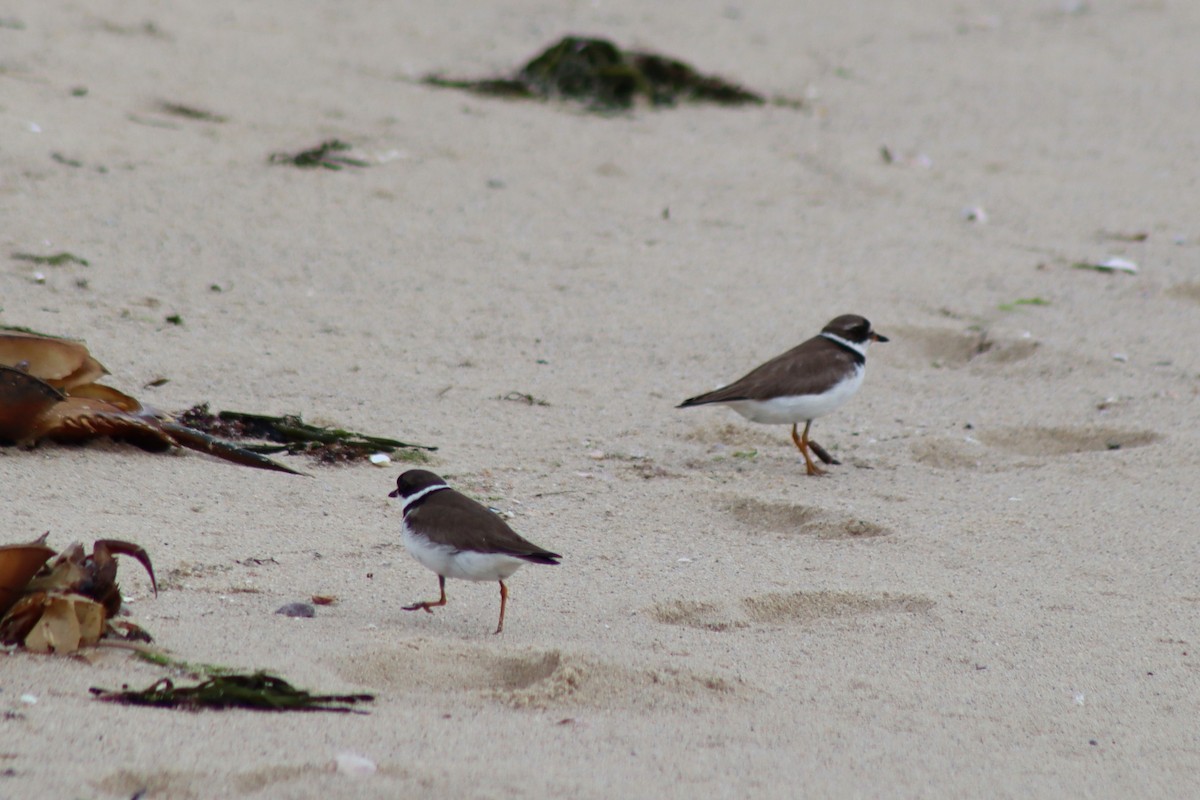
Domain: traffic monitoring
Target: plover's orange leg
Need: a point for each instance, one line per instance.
(822, 453)
(430, 605)
(503, 602)
(802, 443)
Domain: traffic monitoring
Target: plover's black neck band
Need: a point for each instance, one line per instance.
(857, 351)
(414, 500)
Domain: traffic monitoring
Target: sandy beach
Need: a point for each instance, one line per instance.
(996, 594)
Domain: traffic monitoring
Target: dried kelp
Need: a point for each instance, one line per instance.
(258, 691)
(291, 434)
(604, 77)
(323, 155)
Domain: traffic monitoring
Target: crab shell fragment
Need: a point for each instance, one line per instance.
(19, 563)
(48, 391)
(47, 622)
(67, 604)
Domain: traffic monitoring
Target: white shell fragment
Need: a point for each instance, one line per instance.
(354, 765)
(1120, 264)
(380, 459)
(974, 214)
(1111, 264)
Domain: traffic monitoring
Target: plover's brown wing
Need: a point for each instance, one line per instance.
(810, 367)
(461, 523)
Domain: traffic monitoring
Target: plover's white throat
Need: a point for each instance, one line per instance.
(813, 379)
(456, 537)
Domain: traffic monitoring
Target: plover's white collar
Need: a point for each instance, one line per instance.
(861, 349)
(416, 496)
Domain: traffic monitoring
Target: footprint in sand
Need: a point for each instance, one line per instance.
(979, 450)
(1185, 291)
(1065, 441)
(785, 608)
(786, 518)
(940, 347)
(530, 679)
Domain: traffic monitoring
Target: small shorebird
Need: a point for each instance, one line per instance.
(457, 537)
(811, 380)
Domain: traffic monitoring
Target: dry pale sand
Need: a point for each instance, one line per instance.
(997, 593)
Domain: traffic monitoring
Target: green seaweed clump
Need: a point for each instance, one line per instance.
(258, 691)
(606, 78)
(323, 155)
(291, 434)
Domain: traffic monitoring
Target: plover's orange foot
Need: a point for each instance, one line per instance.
(426, 607)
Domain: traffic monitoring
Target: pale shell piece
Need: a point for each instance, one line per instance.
(1118, 264)
(380, 459)
(354, 765)
(68, 622)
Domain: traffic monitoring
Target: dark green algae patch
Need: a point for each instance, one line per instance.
(606, 78)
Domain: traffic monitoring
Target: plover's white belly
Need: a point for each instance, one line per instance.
(799, 408)
(466, 565)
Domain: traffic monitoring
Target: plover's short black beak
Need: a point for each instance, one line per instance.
(876, 337)
(394, 493)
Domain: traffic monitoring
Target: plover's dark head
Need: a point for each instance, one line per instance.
(854, 329)
(414, 481)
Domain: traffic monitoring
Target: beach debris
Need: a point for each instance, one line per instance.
(18, 564)
(1121, 236)
(257, 691)
(52, 260)
(66, 161)
(523, 397)
(48, 391)
(1024, 301)
(68, 603)
(604, 77)
(380, 459)
(974, 214)
(291, 434)
(354, 765)
(189, 112)
(323, 155)
(323, 599)
(297, 610)
(909, 160)
(1111, 264)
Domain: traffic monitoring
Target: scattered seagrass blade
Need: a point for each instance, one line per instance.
(291, 434)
